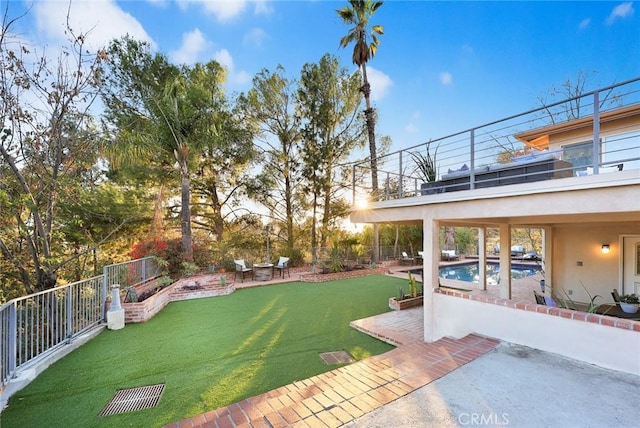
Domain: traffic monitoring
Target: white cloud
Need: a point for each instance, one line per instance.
(380, 83)
(242, 77)
(254, 37)
(226, 10)
(193, 44)
(622, 10)
(446, 78)
(584, 23)
(224, 58)
(100, 20)
(263, 7)
(159, 3)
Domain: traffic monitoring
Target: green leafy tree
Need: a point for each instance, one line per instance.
(161, 114)
(329, 101)
(222, 172)
(271, 104)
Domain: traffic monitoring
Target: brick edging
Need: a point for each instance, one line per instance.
(325, 277)
(605, 320)
(139, 312)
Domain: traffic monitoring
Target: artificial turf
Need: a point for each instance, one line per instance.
(209, 352)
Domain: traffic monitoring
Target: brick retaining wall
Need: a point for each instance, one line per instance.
(549, 310)
(320, 277)
(181, 290)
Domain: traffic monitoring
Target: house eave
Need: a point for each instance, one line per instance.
(539, 138)
(580, 198)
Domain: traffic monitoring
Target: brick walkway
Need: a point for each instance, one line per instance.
(344, 394)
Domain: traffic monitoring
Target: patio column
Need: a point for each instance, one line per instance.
(482, 258)
(505, 261)
(547, 255)
(430, 279)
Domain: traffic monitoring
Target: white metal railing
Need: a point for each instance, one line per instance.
(483, 156)
(33, 326)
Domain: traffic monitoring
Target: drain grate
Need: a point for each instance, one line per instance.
(336, 357)
(129, 400)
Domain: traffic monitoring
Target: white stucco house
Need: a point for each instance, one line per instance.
(571, 169)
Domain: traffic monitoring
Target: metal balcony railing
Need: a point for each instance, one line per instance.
(591, 134)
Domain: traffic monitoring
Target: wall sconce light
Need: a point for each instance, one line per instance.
(605, 249)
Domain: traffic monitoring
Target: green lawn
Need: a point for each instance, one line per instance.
(209, 353)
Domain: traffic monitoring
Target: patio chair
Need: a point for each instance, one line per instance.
(242, 270)
(282, 266)
(616, 296)
(405, 258)
(449, 255)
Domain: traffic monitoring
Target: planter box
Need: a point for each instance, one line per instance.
(180, 290)
(145, 310)
(410, 302)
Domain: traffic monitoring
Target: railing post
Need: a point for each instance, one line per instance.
(596, 131)
(387, 190)
(400, 176)
(13, 340)
(103, 292)
(144, 269)
(69, 314)
(472, 146)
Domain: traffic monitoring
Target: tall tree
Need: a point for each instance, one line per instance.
(47, 144)
(358, 16)
(222, 171)
(329, 101)
(271, 103)
(160, 113)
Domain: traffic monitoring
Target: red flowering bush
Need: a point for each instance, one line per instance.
(170, 250)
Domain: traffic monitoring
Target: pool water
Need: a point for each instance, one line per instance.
(469, 272)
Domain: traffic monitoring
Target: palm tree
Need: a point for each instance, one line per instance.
(358, 15)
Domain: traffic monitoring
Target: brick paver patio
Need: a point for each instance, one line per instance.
(339, 396)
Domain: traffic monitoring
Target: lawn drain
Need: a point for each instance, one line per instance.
(336, 357)
(129, 400)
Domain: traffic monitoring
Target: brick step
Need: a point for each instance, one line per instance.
(344, 394)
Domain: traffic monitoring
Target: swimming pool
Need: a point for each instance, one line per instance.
(469, 272)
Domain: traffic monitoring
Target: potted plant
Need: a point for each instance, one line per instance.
(406, 301)
(630, 303)
(426, 168)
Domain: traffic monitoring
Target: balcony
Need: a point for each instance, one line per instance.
(594, 134)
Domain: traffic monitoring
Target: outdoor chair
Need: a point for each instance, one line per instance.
(449, 255)
(616, 296)
(539, 299)
(282, 266)
(242, 270)
(405, 258)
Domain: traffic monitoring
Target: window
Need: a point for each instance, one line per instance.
(622, 148)
(580, 154)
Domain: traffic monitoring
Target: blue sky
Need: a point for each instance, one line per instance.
(441, 67)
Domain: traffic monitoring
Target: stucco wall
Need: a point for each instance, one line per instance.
(583, 243)
(603, 345)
